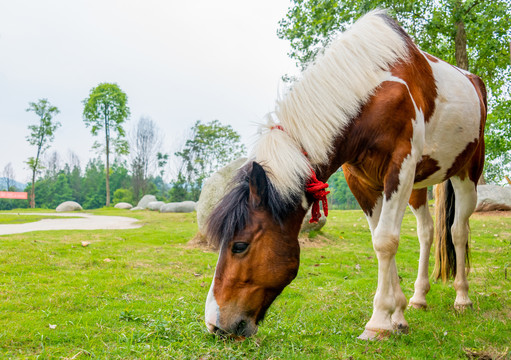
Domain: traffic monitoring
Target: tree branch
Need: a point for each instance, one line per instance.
(471, 7)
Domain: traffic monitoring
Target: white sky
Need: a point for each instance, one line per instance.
(178, 61)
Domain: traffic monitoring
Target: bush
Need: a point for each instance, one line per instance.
(123, 195)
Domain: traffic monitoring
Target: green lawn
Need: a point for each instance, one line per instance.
(20, 218)
(140, 293)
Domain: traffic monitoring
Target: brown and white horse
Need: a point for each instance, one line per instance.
(397, 120)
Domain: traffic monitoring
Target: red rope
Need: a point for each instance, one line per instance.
(314, 187)
(317, 189)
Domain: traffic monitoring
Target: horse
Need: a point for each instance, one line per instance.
(397, 120)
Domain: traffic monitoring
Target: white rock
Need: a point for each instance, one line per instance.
(186, 206)
(69, 206)
(493, 197)
(123, 205)
(155, 205)
(169, 208)
(142, 204)
(307, 227)
(213, 190)
(179, 207)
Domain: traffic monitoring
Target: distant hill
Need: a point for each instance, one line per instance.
(19, 186)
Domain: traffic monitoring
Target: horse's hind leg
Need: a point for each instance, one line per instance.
(465, 202)
(419, 206)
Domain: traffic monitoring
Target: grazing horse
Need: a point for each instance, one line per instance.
(397, 120)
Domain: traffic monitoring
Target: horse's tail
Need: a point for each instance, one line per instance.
(445, 255)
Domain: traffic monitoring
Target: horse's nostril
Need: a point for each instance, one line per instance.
(240, 328)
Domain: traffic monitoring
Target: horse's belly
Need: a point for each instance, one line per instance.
(454, 124)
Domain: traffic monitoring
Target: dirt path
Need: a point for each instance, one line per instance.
(80, 221)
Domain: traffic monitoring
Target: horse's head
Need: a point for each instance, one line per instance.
(259, 254)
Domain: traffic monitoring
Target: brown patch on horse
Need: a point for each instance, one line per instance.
(375, 144)
(431, 57)
(420, 80)
(366, 195)
(426, 167)
(418, 198)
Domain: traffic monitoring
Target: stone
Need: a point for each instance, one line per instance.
(186, 207)
(214, 189)
(169, 207)
(493, 197)
(155, 205)
(69, 206)
(179, 207)
(136, 208)
(123, 205)
(307, 227)
(142, 204)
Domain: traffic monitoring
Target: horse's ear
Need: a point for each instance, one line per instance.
(258, 183)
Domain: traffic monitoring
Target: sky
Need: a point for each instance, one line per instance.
(178, 62)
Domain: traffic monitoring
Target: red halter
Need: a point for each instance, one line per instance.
(314, 187)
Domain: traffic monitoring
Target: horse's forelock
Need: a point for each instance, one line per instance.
(232, 212)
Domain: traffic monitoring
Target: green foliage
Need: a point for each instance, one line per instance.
(107, 109)
(123, 195)
(179, 190)
(41, 136)
(209, 147)
(498, 142)
(311, 24)
(340, 196)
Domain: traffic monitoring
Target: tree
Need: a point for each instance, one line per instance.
(209, 147)
(340, 196)
(9, 176)
(106, 109)
(145, 143)
(41, 136)
(473, 34)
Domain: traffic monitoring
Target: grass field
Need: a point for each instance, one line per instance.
(137, 294)
(20, 218)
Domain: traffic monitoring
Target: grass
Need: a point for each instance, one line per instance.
(140, 293)
(20, 218)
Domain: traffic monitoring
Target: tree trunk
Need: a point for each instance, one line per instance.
(32, 191)
(460, 45)
(107, 143)
(107, 172)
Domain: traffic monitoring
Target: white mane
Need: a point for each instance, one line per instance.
(329, 95)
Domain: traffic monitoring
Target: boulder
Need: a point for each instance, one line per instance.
(155, 205)
(169, 207)
(136, 208)
(185, 207)
(123, 205)
(142, 204)
(213, 190)
(307, 227)
(493, 197)
(69, 206)
(179, 207)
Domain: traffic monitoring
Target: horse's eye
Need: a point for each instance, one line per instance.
(239, 247)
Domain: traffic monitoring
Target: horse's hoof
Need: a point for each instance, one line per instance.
(370, 334)
(421, 306)
(401, 328)
(462, 307)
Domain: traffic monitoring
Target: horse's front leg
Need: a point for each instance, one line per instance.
(389, 301)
